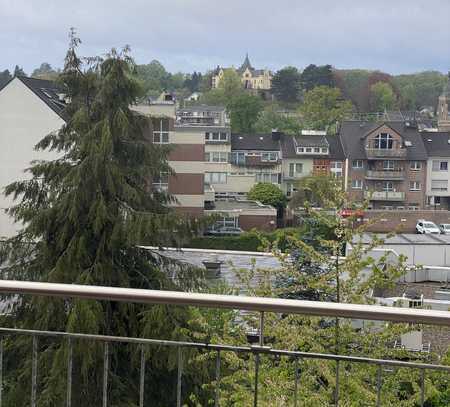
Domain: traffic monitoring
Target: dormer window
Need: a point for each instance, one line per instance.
(384, 141)
(312, 150)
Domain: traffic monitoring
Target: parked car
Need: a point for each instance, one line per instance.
(224, 231)
(426, 227)
(445, 228)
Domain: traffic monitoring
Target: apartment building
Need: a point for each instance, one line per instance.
(385, 163)
(437, 145)
(311, 153)
(30, 109)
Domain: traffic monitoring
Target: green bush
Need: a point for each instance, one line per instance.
(248, 241)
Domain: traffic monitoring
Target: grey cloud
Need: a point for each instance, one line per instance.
(186, 35)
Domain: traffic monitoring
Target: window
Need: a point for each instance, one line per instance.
(439, 165)
(439, 185)
(388, 186)
(317, 149)
(227, 221)
(160, 131)
(295, 169)
(161, 183)
(223, 136)
(414, 186)
(357, 184)
(415, 165)
(357, 164)
(384, 141)
(300, 150)
(324, 150)
(216, 157)
(267, 177)
(269, 156)
(238, 158)
(215, 177)
(388, 165)
(308, 150)
(336, 168)
(216, 136)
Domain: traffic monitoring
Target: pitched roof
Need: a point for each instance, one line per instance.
(289, 146)
(246, 64)
(437, 144)
(263, 142)
(47, 91)
(352, 134)
(336, 151)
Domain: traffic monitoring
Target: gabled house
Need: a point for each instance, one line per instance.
(311, 153)
(29, 110)
(385, 163)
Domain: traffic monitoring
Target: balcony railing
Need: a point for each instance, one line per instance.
(258, 304)
(395, 175)
(384, 196)
(396, 152)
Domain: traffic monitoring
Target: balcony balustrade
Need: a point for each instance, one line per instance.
(256, 304)
(394, 175)
(384, 196)
(397, 151)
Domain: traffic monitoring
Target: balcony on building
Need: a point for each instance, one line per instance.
(255, 160)
(393, 175)
(393, 149)
(384, 196)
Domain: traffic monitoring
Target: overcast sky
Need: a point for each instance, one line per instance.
(186, 35)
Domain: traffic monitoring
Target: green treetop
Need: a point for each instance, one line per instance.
(268, 194)
(323, 107)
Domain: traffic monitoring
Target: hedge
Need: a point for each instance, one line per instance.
(248, 241)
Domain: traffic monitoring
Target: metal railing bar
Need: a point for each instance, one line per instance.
(297, 377)
(217, 395)
(379, 383)
(315, 308)
(69, 372)
(1, 370)
(422, 388)
(179, 375)
(34, 360)
(105, 374)
(142, 377)
(336, 394)
(255, 387)
(231, 348)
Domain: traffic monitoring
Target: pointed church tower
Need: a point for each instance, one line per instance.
(246, 64)
(443, 113)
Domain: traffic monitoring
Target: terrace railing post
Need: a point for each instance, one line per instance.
(142, 378)
(217, 396)
(179, 375)
(257, 357)
(422, 387)
(379, 383)
(105, 374)
(336, 394)
(69, 372)
(297, 376)
(1, 370)
(34, 362)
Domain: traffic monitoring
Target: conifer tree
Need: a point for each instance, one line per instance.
(84, 216)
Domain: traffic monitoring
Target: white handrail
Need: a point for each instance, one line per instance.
(315, 308)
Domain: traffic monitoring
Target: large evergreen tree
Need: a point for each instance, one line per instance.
(84, 215)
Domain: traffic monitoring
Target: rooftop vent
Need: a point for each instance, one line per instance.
(448, 141)
(429, 140)
(408, 143)
(261, 138)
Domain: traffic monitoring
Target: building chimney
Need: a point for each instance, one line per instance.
(276, 135)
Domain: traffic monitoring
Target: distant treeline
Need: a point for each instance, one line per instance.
(367, 90)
